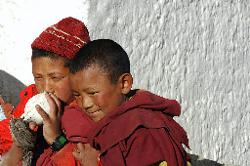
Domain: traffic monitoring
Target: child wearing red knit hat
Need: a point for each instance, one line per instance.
(51, 55)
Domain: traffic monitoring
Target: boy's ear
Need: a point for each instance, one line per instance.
(126, 82)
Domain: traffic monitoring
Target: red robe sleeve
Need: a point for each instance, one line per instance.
(139, 149)
(150, 146)
(5, 135)
(143, 149)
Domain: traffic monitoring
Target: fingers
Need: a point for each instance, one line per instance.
(43, 114)
(81, 146)
(55, 105)
(56, 100)
(85, 154)
(77, 152)
(8, 107)
(33, 126)
(51, 101)
(1, 100)
(78, 149)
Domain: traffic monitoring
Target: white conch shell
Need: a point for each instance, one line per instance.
(30, 112)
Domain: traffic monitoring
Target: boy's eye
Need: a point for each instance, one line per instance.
(38, 78)
(56, 78)
(92, 93)
(76, 94)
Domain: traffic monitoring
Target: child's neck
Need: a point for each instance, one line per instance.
(130, 94)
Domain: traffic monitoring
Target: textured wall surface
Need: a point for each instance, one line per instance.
(195, 51)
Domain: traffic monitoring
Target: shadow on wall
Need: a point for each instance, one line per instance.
(197, 161)
(10, 88)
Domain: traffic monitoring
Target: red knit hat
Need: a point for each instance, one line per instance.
(64, 38)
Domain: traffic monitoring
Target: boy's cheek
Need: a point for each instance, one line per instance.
(64, 94)
(78, 102)
(39, 87)
(99, 117)
(102, 99)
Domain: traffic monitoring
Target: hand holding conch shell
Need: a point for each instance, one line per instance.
(30, 111)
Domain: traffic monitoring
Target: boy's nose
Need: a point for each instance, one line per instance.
(48, 87)
(87, 103)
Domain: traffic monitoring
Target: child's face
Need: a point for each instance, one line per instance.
(95, 93)
(52, 76)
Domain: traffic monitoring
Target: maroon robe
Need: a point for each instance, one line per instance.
(141, 132)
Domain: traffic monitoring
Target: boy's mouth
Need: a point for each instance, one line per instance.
(95, 115)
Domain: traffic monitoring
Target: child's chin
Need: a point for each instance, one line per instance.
(96, 119)
(96, 115)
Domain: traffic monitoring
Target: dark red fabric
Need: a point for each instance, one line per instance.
(141, 132)
(5, 135)
(63, 157)
(76, 125)
(64, 38)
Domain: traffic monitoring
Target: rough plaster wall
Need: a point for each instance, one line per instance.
(195, 51)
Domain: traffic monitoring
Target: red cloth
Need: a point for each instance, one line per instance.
(65, 38)
(5, 135)
(63, 157)
(76, 125)
(141, 132)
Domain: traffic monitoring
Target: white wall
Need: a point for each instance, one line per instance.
(194, 51)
